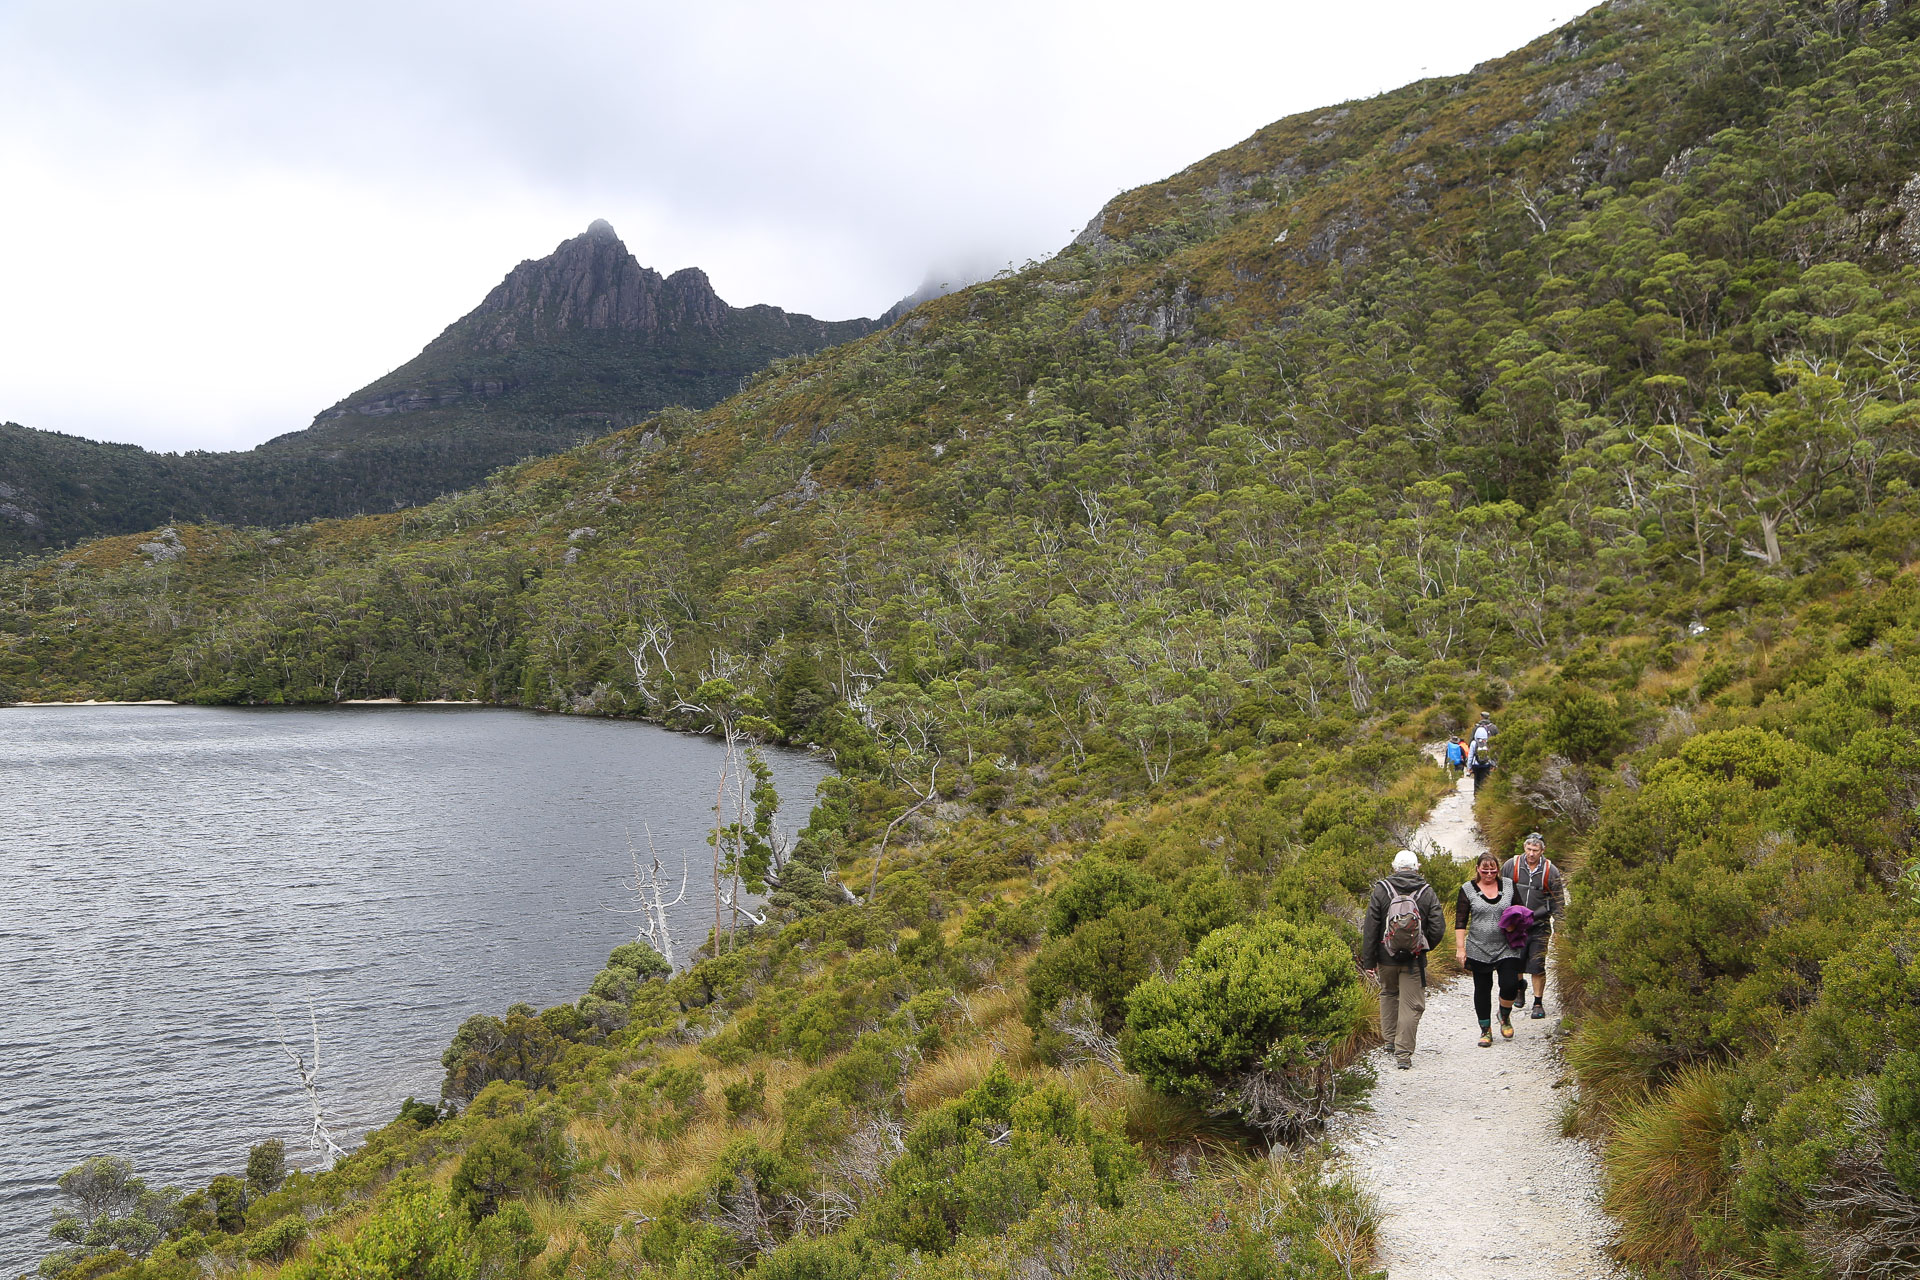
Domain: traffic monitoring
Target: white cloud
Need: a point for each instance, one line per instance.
(224, 216)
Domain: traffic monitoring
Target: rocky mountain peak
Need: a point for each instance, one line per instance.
(592, 282)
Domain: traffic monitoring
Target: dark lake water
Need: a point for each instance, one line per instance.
(174, 880)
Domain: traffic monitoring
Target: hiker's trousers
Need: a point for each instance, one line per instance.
(1403, 998)
(1508, 971)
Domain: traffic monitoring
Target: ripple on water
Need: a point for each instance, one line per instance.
(181, 880)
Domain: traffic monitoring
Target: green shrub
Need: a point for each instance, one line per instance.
(746, 1098)
(983, 1162)
(414, 1232)
(267, 1164)
(1898, 1096)
(275, 1243)
(1098, 887)
(1267, 998)
(518, 1047)
(1104, 959)
(491, 1170)
(1585, 728)
(1208, 900)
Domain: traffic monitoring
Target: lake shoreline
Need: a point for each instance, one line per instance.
(216, 871)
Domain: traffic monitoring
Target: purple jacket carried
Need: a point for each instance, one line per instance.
(1517, 922)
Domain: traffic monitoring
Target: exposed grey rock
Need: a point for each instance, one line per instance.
(1686, 162)
(1908, 232)
(414, 399)
(166, 545)
(592, 282)
(20, 515)
(1093, 235)
(1567, 96)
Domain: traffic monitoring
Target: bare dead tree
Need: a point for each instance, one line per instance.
(1074, 1018)
(856, 1171)
(655, 638)
(649, 890)
(925, 798)
(320, 1138)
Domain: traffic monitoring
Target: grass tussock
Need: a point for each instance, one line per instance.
(1175, 1124)
(1610, 1063)
(950, 1075)
(1665, 1166)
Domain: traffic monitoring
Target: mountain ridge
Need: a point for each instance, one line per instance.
(565, 347)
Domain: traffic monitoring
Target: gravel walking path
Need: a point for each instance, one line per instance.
(1463, 1153)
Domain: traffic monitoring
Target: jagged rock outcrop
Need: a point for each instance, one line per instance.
(590, 289)
(593, 282)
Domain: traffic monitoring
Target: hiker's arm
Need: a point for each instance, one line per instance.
(1370, 933)
(1462, 913)
(1433, 919)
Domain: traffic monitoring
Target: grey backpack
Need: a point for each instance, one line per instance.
(1405, 934)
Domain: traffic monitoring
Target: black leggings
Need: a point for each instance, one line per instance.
(1509, 971)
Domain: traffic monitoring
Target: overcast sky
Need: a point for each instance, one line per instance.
(218, 217)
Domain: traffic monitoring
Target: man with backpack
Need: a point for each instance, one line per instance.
(1479, 762)
(1537, 886)
(1456, 757)
(1403, 923)
(1482, 732)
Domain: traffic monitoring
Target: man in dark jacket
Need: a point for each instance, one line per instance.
(1402, 972)
(1538, 887)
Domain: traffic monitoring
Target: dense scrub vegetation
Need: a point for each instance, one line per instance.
(1121, 589)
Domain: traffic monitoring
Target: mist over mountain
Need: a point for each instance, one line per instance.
(566, 347)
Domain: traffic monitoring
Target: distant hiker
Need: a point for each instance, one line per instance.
(1456, 757)
(1479, 765)
(1479, 742)
(1482, 946)
(1403, 923)
(1537, 885)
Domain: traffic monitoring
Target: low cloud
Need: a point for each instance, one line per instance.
(238, 212)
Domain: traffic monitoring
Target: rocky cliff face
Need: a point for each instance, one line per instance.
(591, 282)
(591, 290)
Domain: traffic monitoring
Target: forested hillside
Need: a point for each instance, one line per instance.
(1122, 589)
(566, 348)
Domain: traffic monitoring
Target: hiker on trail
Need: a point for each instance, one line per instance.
(1483, 946)
(1479, 762)
(1456, 757)
(1403, 923)
(1538, 887)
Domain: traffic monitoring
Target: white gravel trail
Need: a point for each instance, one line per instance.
(1463, 1153)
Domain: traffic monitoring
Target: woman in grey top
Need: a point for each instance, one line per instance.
(1482, 947)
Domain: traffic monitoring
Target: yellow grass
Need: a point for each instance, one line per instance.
(949, 1075)
(1665, 1168)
